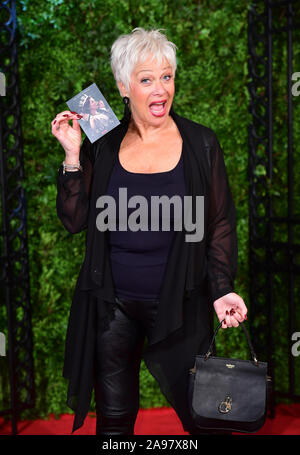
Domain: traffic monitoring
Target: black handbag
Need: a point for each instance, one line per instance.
(228, 394)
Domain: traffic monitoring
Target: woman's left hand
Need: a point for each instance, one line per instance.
(231, 307)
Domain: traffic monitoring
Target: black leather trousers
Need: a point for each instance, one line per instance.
(118, 357)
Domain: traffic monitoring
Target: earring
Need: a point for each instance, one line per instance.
(126, 108)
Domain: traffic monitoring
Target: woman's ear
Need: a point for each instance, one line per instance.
(122, 89)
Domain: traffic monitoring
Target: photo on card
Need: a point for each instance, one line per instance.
(97, 116)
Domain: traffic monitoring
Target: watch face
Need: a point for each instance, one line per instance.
(97, 116)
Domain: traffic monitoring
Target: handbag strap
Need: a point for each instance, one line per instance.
(209, 352)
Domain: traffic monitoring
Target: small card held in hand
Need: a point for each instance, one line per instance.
(98, 117)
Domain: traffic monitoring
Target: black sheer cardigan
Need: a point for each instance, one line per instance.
(197, 273)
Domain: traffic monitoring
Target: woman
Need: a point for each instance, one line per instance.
(147, 293)
(97, 121)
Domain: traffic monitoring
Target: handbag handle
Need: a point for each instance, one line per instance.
(247, 337)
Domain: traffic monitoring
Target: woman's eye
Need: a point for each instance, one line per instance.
(146, 80)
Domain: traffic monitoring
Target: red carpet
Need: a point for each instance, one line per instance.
(158, 421)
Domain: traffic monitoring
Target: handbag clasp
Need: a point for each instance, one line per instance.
(225, 406)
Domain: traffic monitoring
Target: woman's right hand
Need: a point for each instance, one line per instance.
(69, 136)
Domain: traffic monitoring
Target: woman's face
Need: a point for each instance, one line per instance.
(151, 93)
(93, 104)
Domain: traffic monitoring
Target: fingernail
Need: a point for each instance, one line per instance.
(65, 115)
(74, 112)
(245, 316)
(232, 312)
(79, 116)
(227, 312)
(54, 122)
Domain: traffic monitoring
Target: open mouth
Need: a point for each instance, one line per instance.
(158, 108)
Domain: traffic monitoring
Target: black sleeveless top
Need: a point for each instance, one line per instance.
(139, 258)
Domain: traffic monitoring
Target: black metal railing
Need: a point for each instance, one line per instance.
(16, 367)
(273, 43)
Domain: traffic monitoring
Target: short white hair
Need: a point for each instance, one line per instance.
(135, 47)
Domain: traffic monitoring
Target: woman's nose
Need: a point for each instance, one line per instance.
(158, 88)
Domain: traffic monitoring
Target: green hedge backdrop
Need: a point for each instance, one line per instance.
(63, 48)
